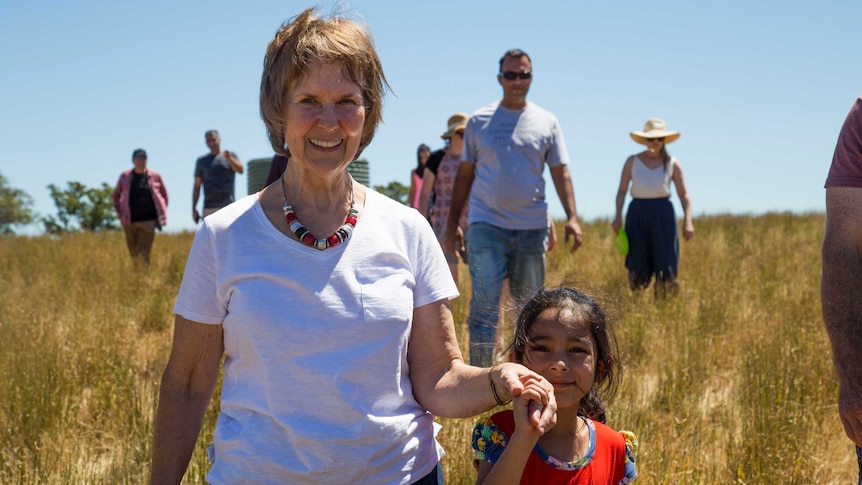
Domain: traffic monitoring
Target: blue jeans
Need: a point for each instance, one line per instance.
(494, 253)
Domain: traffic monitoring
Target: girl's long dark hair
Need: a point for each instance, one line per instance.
(420, 169)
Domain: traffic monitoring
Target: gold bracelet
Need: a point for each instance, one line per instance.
(494, 389)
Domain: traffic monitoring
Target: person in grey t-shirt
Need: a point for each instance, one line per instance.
(215, 171)
(506, 147)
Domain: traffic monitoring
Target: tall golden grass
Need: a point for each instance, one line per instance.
(728, 382)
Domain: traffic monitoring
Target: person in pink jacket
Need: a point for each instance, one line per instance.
(141, 202)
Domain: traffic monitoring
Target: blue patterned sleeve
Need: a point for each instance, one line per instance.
(488, 441)
(631, 456)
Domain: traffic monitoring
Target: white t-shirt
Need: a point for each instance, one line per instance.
(509, 150)
(316, 383)
(651, 183)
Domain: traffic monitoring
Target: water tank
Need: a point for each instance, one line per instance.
(257, 171)
(359, 170)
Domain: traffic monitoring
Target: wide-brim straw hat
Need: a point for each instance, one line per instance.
(654, 128)
(457, 121)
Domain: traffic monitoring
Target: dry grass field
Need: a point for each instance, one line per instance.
(730, 382)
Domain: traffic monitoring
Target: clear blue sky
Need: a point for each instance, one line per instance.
(758, 89)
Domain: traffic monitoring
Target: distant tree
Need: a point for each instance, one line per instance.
(15, 207)
(395, 191)
(81, 208)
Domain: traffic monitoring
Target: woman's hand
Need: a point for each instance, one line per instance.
(617, 224)
(688, 230)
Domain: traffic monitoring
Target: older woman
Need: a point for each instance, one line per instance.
(327, 300)
(651, 222)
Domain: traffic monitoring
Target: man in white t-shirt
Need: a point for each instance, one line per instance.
(506, 147)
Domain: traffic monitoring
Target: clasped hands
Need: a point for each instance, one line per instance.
(533, 402)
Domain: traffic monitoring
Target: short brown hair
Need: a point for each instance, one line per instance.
(307, 38)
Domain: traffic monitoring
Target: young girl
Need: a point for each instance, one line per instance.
(563, 335)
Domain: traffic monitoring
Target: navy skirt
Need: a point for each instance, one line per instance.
(653, 241)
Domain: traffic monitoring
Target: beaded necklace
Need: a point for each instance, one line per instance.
(306, 236)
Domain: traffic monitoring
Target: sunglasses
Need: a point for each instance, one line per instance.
(661, 139)
(512, 75)
(460, 133)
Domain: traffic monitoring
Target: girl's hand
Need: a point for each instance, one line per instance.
(616, 225)
(528, 408)
(515, 379)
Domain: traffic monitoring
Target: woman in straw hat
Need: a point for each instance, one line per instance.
(439, 178)
(651, 222)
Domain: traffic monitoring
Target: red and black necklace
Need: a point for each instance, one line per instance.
(306, 236)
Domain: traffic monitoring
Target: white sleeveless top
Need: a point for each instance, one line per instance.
(651, 183)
